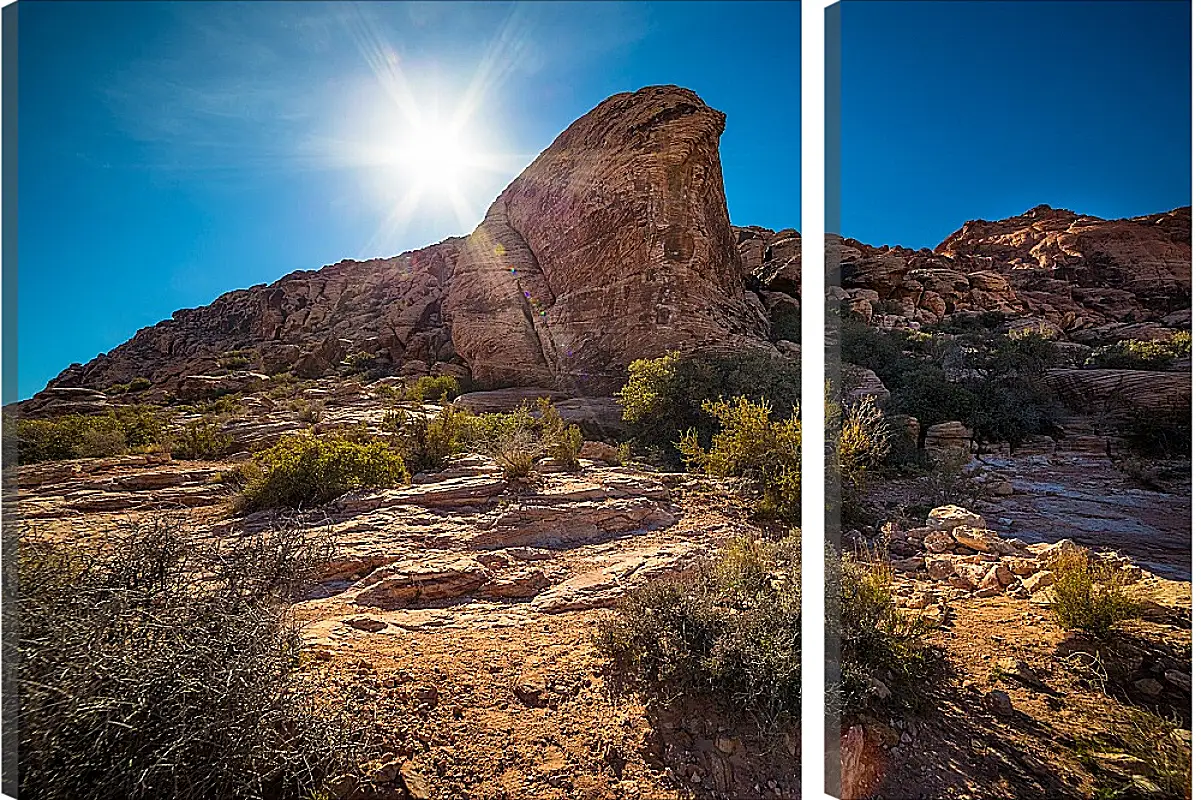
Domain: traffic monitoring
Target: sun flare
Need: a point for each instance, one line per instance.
(434, 157)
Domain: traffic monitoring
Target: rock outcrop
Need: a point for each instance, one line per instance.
(1066, 273)
(614, 244)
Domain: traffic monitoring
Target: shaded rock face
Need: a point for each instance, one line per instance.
(614, 244)
(1071, 273)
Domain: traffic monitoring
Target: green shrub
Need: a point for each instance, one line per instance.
(228, 405)
(142, 425)
(201, 440)
(388, 392)
(83, 436)
(1135, 354)
(663, 397)
(1002, 394)
(877, 641)
(484, 433)
(427, 443)
(302, 471)
(517, 456)
(140, 384)
(731, 631)
(139, 681)
(1087, 596)
(427, 387)
(1164, 434)
(750, 444)
(309, 412)
(562, 442)
(233, 362)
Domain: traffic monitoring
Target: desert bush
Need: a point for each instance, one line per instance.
(484, 433)
(134, 386)
(750, 444)
(301, 471)
(877, 641)
(359, 363)
(1000, 391)
(388, 392)
(1164, 434)
(1135, 354)
(730, 631)
(161, 666)
(284, 385)
(100, 441)
(858, 439)
(201, 440)
(427, 387)
(309, 412)
(562, 442)
(663, 397)
(227, 405)
(517, 456)
(1087, 596)
(89, 436)
(427, 443)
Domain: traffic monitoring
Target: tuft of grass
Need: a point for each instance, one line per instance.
(309, 412)
(1087, 596)
(302, 471)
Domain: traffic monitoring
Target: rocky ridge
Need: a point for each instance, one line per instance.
(1072, 275)
(614, 244)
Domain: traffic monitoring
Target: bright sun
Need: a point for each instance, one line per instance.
(434, 157)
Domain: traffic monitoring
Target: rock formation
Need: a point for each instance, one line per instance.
(1065, 272)
(614, 244)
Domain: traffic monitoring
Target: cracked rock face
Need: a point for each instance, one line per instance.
(614, 244)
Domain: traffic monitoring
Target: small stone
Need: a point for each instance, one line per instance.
(877, 688)
(939, 568)
(939, 542)
(1043, 579)
(977, 538)
(1149, 686)
(1179, 679)
(947, 518)
(999, 703)
(365, 623)
(726, 745)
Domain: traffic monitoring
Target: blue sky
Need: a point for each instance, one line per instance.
(170, 152)
(961, 110)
